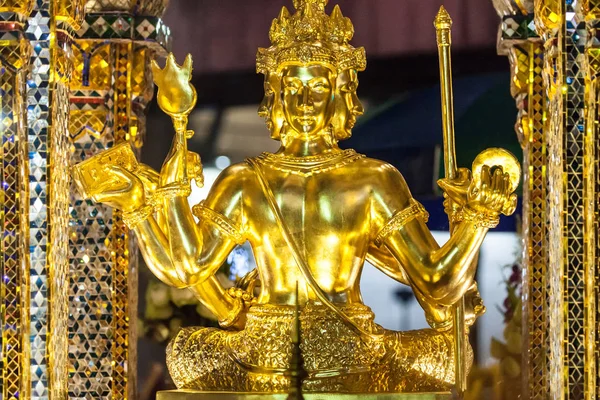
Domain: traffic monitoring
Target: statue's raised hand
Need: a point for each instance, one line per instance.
(496, 176)
(121, 190)
(114, 177)
(492, 192)
(181, 166)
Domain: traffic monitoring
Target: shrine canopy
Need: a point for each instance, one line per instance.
(224, 35)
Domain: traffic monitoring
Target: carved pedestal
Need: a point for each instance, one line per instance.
(192, 395)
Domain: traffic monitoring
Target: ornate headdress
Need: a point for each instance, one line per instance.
(311, 36)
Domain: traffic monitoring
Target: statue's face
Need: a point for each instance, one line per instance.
(348, 107)
(270, 108)
(308, 97)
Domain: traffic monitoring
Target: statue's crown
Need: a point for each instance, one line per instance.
(311, 36)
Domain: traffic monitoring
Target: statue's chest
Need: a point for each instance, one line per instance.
(319, 205)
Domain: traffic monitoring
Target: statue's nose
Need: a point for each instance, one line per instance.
(305, 100)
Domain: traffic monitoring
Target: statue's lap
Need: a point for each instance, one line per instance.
(337, 359)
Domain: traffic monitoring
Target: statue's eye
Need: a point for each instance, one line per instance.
(292, 86)
(319, 87)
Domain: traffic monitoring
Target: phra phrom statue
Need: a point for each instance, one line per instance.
(313, 214)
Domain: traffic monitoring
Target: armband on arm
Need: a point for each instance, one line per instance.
(478, 219)
(415, 210)
(222, 223)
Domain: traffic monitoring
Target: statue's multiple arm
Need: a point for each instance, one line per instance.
(440, 275)
(179, 251)
(156, 250)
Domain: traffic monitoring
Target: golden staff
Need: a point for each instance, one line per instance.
(443, 26)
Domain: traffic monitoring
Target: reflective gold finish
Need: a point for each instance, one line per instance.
(109, 92)
(190, 395)
(443, 26)
(549, 15)
(70, 11)
(556, 70)
(14, 240)
(175, 100)
(312, 214)
(17, 6)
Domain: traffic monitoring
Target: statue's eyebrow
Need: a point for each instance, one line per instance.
(318, 79)
(291, 79)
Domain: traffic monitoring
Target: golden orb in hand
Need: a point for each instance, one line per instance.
(496, 157)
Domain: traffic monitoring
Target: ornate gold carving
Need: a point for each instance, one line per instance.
(171, 191)
(308, 166)
(311, 36)
(136, 217)
(415, 210)
(70, 11)
(328, 205)
(222, 223)
(477, 218)
(352, 364)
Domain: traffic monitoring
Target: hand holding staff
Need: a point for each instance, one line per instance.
(443, 26)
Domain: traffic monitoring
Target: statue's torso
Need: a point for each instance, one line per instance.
(329, 215)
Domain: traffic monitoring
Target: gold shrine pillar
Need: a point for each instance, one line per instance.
(68, 286)
(111, 87)
(14, 207)
(555, 56)
(34, 92)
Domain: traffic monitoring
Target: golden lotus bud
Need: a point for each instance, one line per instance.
(176, 96)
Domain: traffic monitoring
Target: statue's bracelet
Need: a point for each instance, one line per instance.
(136, 217)
(479, 219)
(171, 191)
(444, 326)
